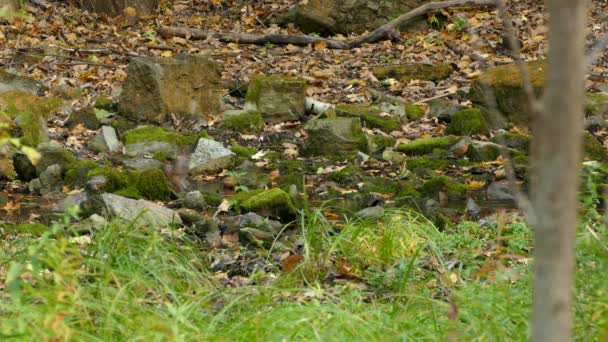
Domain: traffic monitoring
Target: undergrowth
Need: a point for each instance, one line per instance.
(396, 279)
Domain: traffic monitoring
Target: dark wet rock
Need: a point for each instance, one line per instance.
(142, 163)
(330, 17)
(210, 156)
(116, 7)
(14, 82)
(86, 118)
(277, 98)
(106, 141)
(500, 191)
(141, 212)
(335, 138)
(157, 90)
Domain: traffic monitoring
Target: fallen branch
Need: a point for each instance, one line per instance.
(386, 30)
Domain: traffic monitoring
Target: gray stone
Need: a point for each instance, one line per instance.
(151, 147)
(443, 109)
(141, 212)
(53, 153)
(371, 213)
(253, 220)
(277, 98)
(335, 138)
(142, 163)
(194, 200)
(106, 141)
(157, 90)
(14, 82)
(500, 191)
(49, 181)
(209, 157)
(189, 216)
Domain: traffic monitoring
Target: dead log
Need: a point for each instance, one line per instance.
(382, 32)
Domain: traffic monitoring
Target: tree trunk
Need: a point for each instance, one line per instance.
(557, 156)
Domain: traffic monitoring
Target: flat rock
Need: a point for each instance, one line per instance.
(141, 211)
(210, 156)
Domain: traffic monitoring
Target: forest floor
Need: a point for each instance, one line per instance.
(400, 278)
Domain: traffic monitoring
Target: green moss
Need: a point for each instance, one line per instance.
(77, 173)
(245, 123)
(594, 150)
(18, 102)
(595, 104)
(379, 142)
(427, 163)
(369, 115)
(468, 122)
(512, 140)
(105, 103)
(413, 112)
(443, 183)
(162, 156)
(256, 85)
(30, 127)
(427, 145)
(483, 153)
(24, 228)
(53, 153)
(408, 72)
(115, 180)
(344, 174)
(213, 200)
(151, 184)
(154, 133)
(273, 202)
(121, 125)
(243, 151)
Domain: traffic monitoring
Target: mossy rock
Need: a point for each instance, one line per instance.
(379, 142)
(105, 103)
(512, 140)
(122, 125)
(483, 152)
(345, 175)
(369, 115)
(277, 98)
(251, 122)
(86, 117)
(335, 138)
(7, 168)
(77, 173)
(428, 163)
(52, 153)
(18, 102)
(151, 184)
(32, 129)
(468, 122)
(243, 151)
(115, 179)
(35, 229)
(594, 150)
(408, 72)
(596, 104)
(413, 112)
(269, 203)
(153, 133)
(437, 184)
(427, 145)
(504, 85)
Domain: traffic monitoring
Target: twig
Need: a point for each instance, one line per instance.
(88, 63)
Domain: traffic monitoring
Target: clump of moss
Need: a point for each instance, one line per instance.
(121, 125)
(24, 228)
(427, 145)
(274, 202)
(162, 156)
(408, 72)
(251, 122)
(105, 103)
(115, 180)
(379, 142)
(369, 115)
(467, 122)
(154, 133)
(413, 112)
(243, 151)
(345, 174)
(77, 173)
(427, 163)
(31, 126)
(152, 184)
(18, 102)
(443, 183)
(483, 153)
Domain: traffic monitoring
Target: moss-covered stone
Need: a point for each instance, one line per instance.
(243, 151)
(593, 148)
(105, 103)
(335, 138)
(511, 140)
(596, 104)
(85, 117)
(115, 180)
(344, 175)
(369, 115)
(428, 163)
(443, 183)
(52, 153)
(121, 125)
(468, 122)
(270, 203)
(7, 168)
(483, 152)
(251, 122)
(277, 98)
(408, 72)
(379, 142)
(504, 85)
(77, 173)
(427, 145)
(18, 102)
(151, 184)
(413, 112)
(154, 133)
(32, 128)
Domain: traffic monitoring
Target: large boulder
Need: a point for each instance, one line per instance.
(116, 7)
(277, 98)
(504, 85)
(159, 90)
(335, 138)
(347, 16)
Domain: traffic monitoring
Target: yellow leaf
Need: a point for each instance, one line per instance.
(167, 53)
(472, 185)
(233, 46)
(465, 37)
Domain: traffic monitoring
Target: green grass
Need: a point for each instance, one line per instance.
(138, 284)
